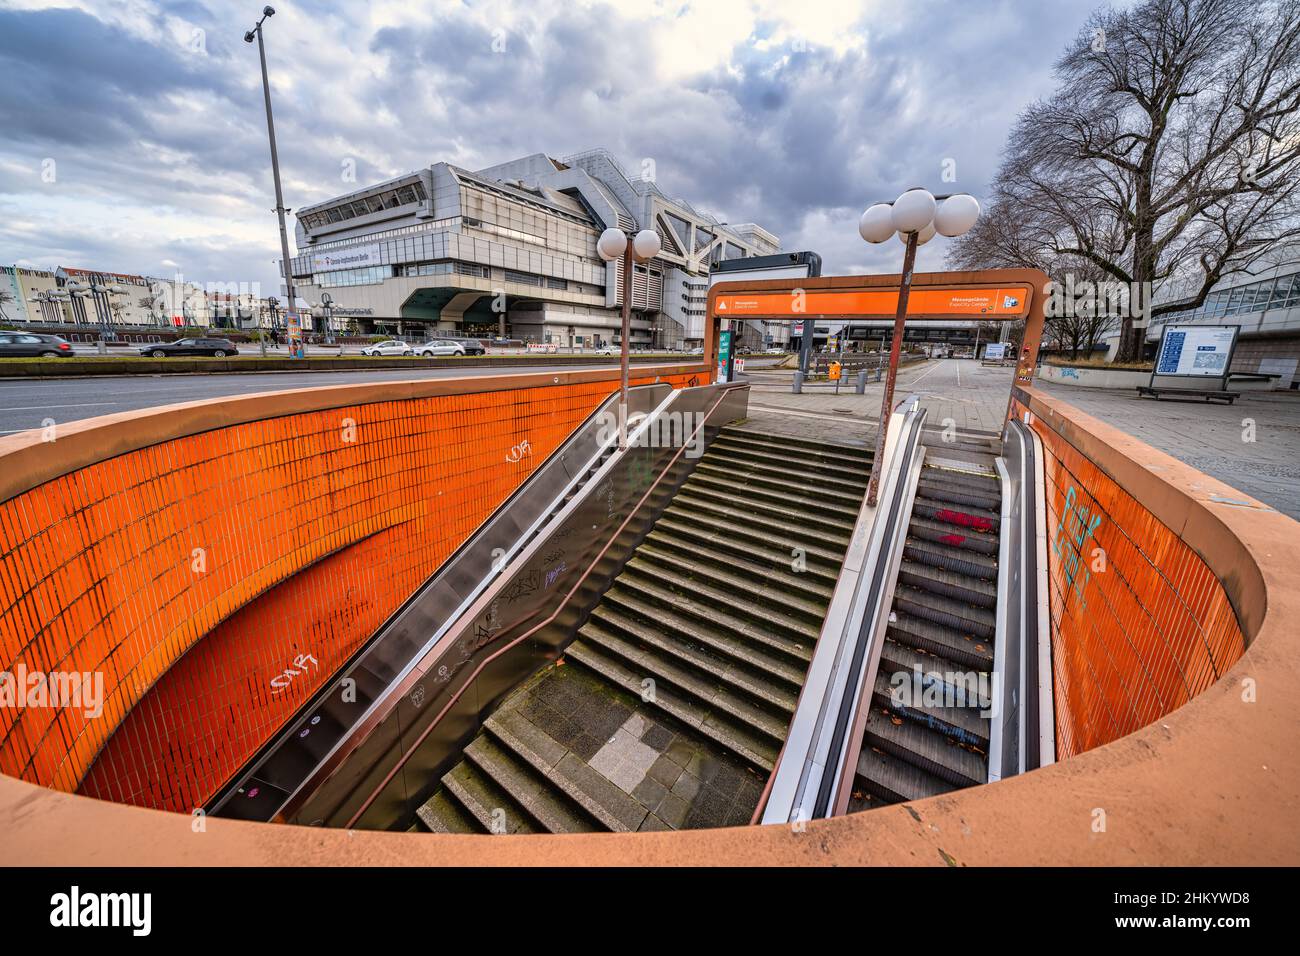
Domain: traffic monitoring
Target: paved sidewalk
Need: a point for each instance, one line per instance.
(1213, 438)
(961, 394)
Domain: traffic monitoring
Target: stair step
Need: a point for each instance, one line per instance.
(589, 789)
(939, 555)
(978, 622)
(721, 576)
(764, 679)
(789, 499)
(796, 472)
(736, 523)
(933, 753)
(798, 441)
(489, 805)
(895, 780)
(440, 814)
(534, 796)
(708, 689)
(839, 455)
(960, 587)
(942, 641)
(821, 565)
(963, 539)
(767, 570)
(701, 624)
(746, 744)
(963, 724)
(763, 511)
(751, 478)
(708, 603)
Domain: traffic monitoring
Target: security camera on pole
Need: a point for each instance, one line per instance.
(644, 246)
(916, 216)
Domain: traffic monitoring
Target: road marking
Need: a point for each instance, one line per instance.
(39, 408)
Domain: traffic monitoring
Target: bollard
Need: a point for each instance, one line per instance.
(798, 383)
(862, 382)
(103, 347)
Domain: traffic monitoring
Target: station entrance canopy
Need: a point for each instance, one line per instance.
(992, 295)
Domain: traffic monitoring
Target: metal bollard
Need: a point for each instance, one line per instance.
(862, 382)
(798, 383)
(103, 347)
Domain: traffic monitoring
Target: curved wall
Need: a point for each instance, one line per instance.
(1215, 781)
(131, 550)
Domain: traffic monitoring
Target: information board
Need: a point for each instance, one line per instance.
(725, 357)
(1196, 350)
(995, 350)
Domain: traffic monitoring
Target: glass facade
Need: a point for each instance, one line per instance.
(371, 275)
(1280, 293)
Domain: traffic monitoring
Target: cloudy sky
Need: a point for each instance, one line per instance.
(133, 139)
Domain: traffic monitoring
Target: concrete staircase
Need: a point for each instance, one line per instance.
(670, 706)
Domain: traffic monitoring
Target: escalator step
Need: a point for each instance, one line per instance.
(939, 555)
(933, 753)
(961, 587)
(968, 686)
(941, 641)
(963, 539)
(895, 780)
(979, 622)
(959, 516)
(963, 724)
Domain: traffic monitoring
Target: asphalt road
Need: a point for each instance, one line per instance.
(27, 404)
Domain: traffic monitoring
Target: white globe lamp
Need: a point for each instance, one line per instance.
(913, 211)
(956, 215)
(646, 245)
(877, 223)
(611, 244)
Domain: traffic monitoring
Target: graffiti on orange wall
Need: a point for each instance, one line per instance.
(1076, 527)
(1139, 624)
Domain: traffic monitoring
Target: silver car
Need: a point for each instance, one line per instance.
(430, 349)
(389, 347)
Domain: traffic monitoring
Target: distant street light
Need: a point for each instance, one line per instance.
(614, 244)
(916, 217)
(325, 312)
(256, 33)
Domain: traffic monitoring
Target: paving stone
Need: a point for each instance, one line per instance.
(673, 811)
(665, 771)
(649, 792)
(658, 736)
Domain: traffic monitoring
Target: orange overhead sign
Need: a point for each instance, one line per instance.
(1002, 302)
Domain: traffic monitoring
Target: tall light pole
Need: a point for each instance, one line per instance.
(916, 216)
(613, 244)
(256, 32)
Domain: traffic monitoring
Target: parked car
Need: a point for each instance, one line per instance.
(469, 346)
(387, 347)
(698, 350)
(608, 350)
(430, 349)
(217, 348)
(30, 345)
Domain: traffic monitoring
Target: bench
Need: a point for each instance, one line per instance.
(1206, 394)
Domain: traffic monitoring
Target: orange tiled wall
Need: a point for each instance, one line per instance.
(124, 566)
(1140, 624)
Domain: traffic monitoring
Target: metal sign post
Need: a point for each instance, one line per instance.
(887, 400)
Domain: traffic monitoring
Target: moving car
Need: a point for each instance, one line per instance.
(217, 348)
(469, 346)
(30, 345)
(387, 347)
(430, 349)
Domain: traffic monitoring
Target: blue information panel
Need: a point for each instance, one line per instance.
(1196, 350)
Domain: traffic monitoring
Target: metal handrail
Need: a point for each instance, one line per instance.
(810, 772)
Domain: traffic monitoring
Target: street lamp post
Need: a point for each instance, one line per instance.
(613, 244)
(916, 216)
(101, 293)
(256, 33)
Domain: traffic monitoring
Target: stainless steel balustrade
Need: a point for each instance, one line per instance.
(818, 758)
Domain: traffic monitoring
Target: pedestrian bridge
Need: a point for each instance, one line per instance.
(311, 622)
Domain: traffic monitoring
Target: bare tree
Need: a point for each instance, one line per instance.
(1169, 154)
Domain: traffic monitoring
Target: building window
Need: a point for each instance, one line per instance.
(371, 275)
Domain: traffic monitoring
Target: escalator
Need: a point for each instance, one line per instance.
(669, 708)
(928, 730)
